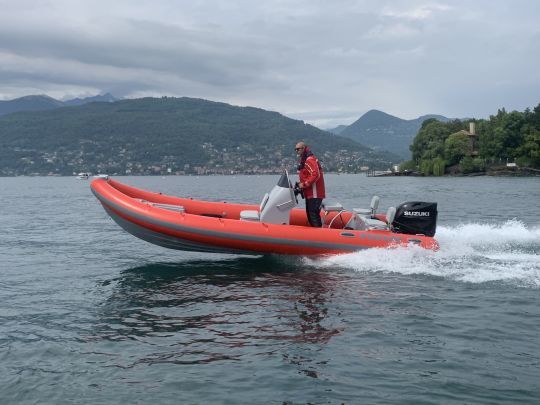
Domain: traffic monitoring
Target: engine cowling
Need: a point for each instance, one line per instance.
(416, 218)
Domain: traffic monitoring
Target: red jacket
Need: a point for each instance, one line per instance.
(311, 175)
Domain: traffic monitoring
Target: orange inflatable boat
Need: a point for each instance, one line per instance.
(275, 226)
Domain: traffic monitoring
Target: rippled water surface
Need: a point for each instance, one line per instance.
(90, 314)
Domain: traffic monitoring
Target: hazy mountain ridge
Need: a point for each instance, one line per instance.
(158, 135)
(43, 102)
(383, 131)
(337, 130)
(107, 97)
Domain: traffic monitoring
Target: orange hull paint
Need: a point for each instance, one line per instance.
(215, 226)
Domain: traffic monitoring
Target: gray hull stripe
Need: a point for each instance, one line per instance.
(167, 241)
(225, 235)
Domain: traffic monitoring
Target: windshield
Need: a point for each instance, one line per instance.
(284, 180)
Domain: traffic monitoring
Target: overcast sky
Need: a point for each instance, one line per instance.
(326, 62)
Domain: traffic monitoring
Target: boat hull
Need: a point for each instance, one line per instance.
(215, 227)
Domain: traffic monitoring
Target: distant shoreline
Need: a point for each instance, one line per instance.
(498, 173)
(493, 172)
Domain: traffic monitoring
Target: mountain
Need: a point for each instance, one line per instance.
(383, 131)
(107, 97)
(161, 135)
(29, 103)
(337, 130)
(44, 102)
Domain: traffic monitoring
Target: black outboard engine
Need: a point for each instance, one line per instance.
(416, 218)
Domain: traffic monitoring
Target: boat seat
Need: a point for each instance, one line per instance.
(369, 212)
(356, 222)
(253, 215)
(249, 215)
(373, 223)
(332, 207)
(390, 215)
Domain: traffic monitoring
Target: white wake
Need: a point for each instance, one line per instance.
(475, 253)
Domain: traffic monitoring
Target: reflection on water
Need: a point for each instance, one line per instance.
(372, 327)
(205, 311)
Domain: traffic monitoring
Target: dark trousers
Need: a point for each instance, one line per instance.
(313, 211)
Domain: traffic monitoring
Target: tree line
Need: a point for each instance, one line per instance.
(448, 147)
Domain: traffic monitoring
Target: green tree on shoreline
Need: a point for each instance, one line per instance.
(441, 147)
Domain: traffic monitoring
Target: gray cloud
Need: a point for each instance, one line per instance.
(324, 62)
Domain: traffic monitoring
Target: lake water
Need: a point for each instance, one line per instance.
(90, 314)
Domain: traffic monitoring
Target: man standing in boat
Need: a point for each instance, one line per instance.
(311, 183)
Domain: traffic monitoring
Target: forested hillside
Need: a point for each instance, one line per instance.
(168, 135)
(513, 137)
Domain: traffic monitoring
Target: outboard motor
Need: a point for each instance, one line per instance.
(416, 218)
